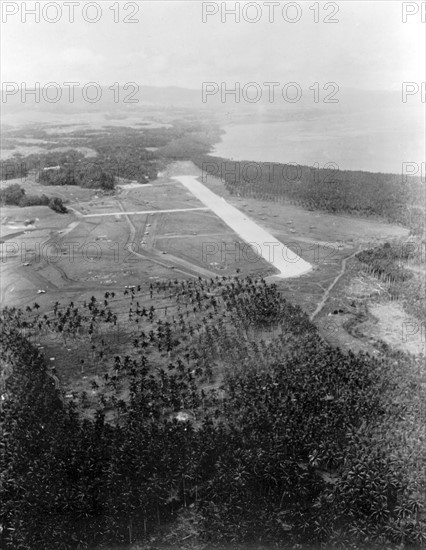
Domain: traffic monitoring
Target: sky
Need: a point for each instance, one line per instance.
(369, 47)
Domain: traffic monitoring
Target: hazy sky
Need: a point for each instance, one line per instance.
(369, 48)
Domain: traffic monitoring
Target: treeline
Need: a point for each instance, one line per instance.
(13, 169)
(91, 176)
(401, 265)
(194, 140)
(329, 189)
(20, 166)
(300, 443)
(15, 195)
(61, 168)
(384, 262)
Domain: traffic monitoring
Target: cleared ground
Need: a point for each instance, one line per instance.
(99, 246)
(261, 242)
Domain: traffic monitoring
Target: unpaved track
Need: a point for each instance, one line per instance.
(333, 284)
(184, 267)
(140, 212)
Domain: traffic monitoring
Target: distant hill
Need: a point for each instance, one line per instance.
(130, 98)
(110, 99)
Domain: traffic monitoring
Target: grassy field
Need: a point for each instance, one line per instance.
(75, 254)
(75, 257)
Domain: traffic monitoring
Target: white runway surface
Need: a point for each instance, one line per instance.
(263, 243)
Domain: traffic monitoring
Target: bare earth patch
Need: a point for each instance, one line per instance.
(391, 324)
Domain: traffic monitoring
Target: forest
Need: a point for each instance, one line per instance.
(399, 266)
(367, 194)
(216, 396)
(136, 154)
(384, 261)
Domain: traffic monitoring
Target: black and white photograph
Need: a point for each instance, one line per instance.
(213, 275)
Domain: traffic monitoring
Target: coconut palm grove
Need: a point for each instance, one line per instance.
(214, 399)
